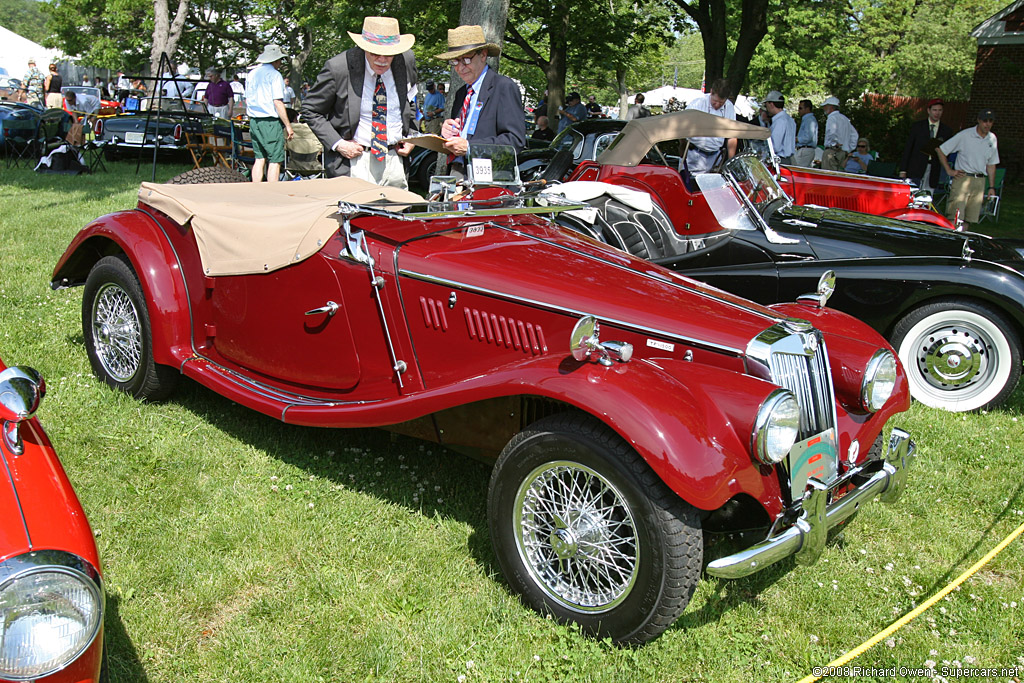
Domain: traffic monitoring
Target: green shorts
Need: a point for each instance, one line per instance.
(267, 139)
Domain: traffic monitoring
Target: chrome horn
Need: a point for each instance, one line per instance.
(585, 342)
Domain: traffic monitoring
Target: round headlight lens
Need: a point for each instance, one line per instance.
(776, 427)
(48, 617)
(879, 380)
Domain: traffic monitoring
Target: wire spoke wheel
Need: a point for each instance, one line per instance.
(576, 535)
(116, 332)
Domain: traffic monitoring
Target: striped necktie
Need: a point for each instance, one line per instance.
(379, 122)
(462, 117)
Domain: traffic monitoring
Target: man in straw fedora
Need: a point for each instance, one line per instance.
(268, 121)
(359, 106)
(489, 107)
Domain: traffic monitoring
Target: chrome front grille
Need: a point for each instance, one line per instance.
(793, 355)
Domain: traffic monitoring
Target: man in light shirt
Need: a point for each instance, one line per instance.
(807, 136)
(840, 137)
(703, 153)
(264, 103)
(976, 160)
(359, 108)
(783, 127)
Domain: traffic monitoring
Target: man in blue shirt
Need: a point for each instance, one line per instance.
(783, 127)
(573, 111)
(807, 137)
(433, 109)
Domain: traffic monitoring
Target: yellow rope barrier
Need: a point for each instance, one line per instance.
(913, 614)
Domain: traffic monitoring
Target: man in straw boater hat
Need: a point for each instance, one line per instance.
(268, 121)
(359, 106)
(488, 108)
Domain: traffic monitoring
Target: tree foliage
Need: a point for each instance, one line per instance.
(917, 48)
(25, 18)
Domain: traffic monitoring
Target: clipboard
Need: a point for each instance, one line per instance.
(432, 142)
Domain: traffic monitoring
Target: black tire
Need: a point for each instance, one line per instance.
(959, 355)
(625, 569)
(210, 174)
(426, 170)
(118, 336)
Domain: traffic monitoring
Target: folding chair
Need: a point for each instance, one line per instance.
(242, 156)
(54, 125)
(20, 140)
(303, 154)
(990, 209)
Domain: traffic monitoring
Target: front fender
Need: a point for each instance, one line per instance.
(141, 238)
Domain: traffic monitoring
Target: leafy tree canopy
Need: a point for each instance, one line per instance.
(24, 17)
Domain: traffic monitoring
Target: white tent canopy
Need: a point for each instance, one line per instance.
(745, 106)
(15, 51)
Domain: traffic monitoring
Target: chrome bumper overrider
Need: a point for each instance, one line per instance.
(806, 538)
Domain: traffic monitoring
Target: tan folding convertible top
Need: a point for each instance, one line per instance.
(639, 135)
(259, 227)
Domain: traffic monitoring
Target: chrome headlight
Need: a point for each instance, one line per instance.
(879, 380)
(51, 608)
(776, 427)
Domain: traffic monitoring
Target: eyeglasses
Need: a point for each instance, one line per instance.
(462, 60)
(862, 146)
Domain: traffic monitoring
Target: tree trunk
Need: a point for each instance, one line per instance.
(620, 87)
(166, 32)
(710, 16)
(558, 40)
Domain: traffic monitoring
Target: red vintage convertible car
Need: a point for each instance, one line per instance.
(627, 409)
(51, 590)
(584, 142)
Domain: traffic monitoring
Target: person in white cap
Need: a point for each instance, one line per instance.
(977, 157)
(359, 107)
(840, 137)
(704, 152)
(488, 108)
(783, 127)
(268, 120)
(32, 84)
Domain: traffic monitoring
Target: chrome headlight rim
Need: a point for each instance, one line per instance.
(61, 562)
(881, 361)
(769, 411)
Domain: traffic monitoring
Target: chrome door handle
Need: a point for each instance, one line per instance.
(330, 308)
(799, 224)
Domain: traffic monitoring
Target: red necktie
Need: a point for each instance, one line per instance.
(462, 117)
(379, 122)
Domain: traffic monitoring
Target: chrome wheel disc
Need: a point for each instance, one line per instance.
(953, 356)
(116, 332)
(576, 535)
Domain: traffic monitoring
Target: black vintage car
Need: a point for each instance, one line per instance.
(584, 141)
(165, 124)
(951, 303)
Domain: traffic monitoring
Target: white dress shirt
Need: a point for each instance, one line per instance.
(784, 134)
(364, 131)
(839, 132)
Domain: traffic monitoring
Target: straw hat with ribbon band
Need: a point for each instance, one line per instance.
(466, 39)
(271, 53)
(380, 36)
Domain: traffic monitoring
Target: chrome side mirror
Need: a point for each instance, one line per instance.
(21, 390)
(826, 286)
(584, 342)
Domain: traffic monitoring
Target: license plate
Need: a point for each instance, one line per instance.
(814, 457)
(135, 138)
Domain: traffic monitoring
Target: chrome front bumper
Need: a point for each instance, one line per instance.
(806, 538)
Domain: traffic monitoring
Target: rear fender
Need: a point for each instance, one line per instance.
(142, 240)
(921, 216)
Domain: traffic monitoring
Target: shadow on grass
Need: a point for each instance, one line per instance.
(123, 663)
(463, 480)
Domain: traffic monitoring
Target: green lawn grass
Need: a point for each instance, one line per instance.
(239, 549)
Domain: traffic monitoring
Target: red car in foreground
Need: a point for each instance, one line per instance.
(627, 409)
(51, 590)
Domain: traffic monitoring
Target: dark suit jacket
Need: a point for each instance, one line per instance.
(331, 107)
(501, 120)
(920, 149)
